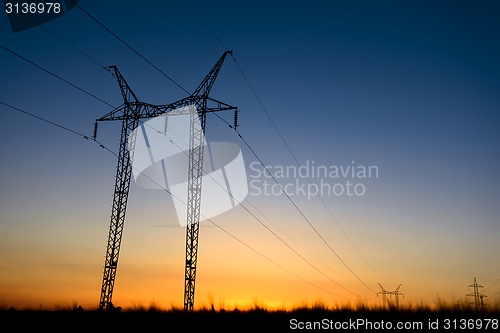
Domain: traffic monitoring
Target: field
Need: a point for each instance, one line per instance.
(318, 317)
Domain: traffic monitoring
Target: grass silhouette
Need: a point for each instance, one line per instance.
(258, 317)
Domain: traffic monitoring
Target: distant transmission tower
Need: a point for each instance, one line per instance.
(384, 294)
(130, 114)
(478, 297)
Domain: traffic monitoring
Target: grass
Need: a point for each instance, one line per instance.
(253, 318)
(438, 307)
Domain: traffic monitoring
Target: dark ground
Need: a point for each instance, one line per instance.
(250, 320)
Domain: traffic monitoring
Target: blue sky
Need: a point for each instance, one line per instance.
(409, 87)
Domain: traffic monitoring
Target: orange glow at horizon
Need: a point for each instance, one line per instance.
(226, 279)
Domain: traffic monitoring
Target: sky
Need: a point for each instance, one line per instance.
(407, 90)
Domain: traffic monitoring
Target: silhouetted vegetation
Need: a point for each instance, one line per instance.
(258, 317)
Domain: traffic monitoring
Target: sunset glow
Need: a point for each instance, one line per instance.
(369, 135)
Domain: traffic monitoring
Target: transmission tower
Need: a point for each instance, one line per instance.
(478, 297)
(396, 294)
(130, 114)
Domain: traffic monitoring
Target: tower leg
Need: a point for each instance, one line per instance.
(195, 173)
(120, 198)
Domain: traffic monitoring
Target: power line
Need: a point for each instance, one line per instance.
(297, 208)
(26, 16)
(256, 218)
(490, 275)
(272, 261)
(290, 151)
(283, 232)
(130, 47)
(498, 292)
(263, 224)
(492, 284)
(302, 214)
(76, 49)
(45, 120)
(298, 164)
(206, 26)
(309, 180)
(56, 76)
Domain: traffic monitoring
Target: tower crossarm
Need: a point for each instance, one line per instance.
(147, 110)
(127, 93)
(383, 290)
(206, 85)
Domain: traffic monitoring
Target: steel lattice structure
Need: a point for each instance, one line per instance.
(130, 113)
(478, 297)
(396, 294)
